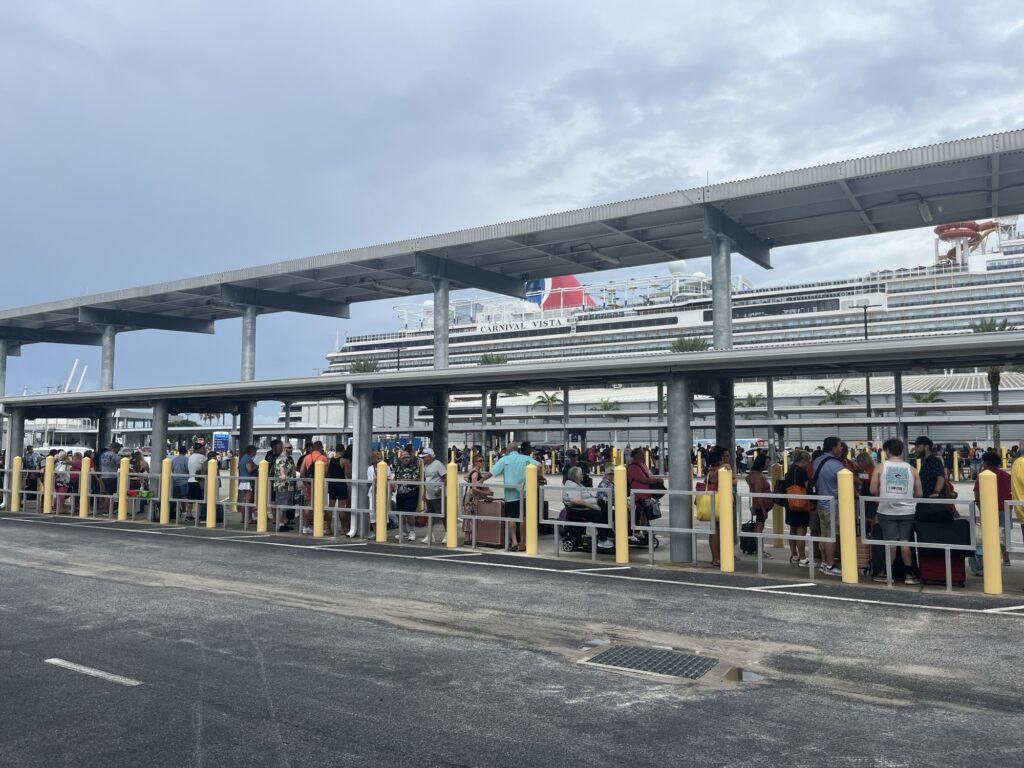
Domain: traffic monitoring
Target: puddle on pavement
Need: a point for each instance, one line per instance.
(740, 675)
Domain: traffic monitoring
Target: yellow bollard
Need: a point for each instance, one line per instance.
(724, 520)
(122, 489)
(490, 460)
(470, 465)
(956, 466)
(621, 516)
(16, 481)
(165, 491)
(451, 504)
(48, 486)
(847, 527)
(530, 508)
(318, 499)
(233, 484)
(700, 463)
(785, 462)
(778, 512)
(991, 556)
(918, 465)
(211, 493)
(380, 506)
(262, 491)
(1003, 452)
(647, 456)
(84, 480)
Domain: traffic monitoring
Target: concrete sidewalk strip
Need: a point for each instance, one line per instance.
(93, 672)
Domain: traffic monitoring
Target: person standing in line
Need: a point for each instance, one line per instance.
(512, 468)
(825, 479)
(339, 473)
(248, 474)
(797, 477)
(284, 487)
(933, 475)
(434, 472)
(371, 474)
(307, 470)
(179, 482)
(196, 470)
(992, 461)
(407, 493)
(896, 484)
(110, 461)
(760, 506)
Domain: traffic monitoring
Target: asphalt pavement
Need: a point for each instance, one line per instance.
(256, 651)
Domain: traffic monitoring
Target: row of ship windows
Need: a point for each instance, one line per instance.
(839, 326)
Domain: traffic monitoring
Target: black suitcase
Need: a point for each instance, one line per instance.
(899, 570)
(748, 544)
(932, 562)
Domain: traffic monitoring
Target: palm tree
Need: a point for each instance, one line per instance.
(548, 399)
(493, 358)
(995, 373)
(363, 365)
(493, 396)
(208, 418)
(690, 344)
(752, 400)
(933, 395)
(607, 404)
(837, 396)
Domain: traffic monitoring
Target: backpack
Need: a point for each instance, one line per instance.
(813, 487)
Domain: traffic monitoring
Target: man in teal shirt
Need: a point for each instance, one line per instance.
(512, 468)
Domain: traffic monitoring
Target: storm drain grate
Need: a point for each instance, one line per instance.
(655, 660)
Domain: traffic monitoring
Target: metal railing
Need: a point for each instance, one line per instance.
(808, 538)
(691, 498)
(504, 521)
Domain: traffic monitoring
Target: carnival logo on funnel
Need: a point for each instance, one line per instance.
(563, 292)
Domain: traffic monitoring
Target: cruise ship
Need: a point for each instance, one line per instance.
(977, 273)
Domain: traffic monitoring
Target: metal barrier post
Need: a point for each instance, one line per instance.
(724, 513)
(847, 527)
(990, 554)
(122, 488)
(785, 462)
(48, 486)
(380, 506)
(16, 482)
(1003, 452)
(84, 480)
(621, 517)
(165, 491)
(262, 486)
(956, 466)
(318, 499)
(211, 494)
(700, 468)
(451, 504)
(233, 486)
(531, 509)
(778, 513)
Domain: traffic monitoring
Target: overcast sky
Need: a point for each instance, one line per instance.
(150, 141)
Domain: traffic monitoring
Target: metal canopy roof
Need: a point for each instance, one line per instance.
(965, 179)
(417, 387)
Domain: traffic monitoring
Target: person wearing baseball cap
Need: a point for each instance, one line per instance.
(434, 472)
(932, 472)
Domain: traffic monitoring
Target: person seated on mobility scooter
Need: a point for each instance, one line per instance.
(581, 507)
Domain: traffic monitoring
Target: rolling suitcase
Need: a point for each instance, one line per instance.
(491, 533)
(877, 565)
(932, 562)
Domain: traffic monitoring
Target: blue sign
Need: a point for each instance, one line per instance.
(221, 441)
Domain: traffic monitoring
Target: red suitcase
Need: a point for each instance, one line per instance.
(932, 562)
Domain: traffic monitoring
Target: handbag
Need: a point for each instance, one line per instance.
(652, 510)
(799, 505)
(702, 503)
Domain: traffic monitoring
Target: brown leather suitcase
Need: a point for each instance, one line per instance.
(491, 533)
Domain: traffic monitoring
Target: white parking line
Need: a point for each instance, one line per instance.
(93, 672)
(454, 554)
(604, 568)
(782, 586)
(1007, 609)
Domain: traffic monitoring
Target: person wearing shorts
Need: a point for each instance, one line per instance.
(247, 474)
(797, 520)
(896, 484)
(512, 467)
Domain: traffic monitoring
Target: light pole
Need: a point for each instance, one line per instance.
(398, 359)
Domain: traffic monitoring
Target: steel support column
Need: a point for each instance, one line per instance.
(439, 428)
(249, 314)
(441, 287)
(104, 429)
(662, 466)
(15, 446)
(362, 445)
(158, 443)
(107, 357)
(897, 384)
(721, 294)
(680, 442)
(246, 417)
(5, 348)
(725, 419)
(769, 401)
